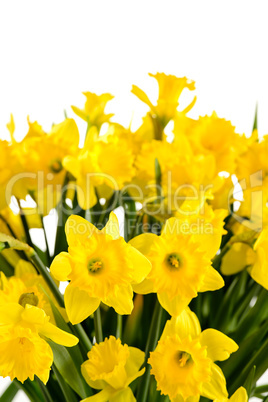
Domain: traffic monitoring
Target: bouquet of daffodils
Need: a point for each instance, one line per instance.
(151, 281)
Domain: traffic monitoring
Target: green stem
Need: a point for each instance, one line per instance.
(153, 337)
(44, 390)
(25, 227)
(46, 241)
(98, 326)
(261, 389)
(79, 330)
(42, 269)
(119, 326)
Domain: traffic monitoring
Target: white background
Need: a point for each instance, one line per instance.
(51, 51)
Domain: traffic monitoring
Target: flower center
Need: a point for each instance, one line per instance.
(173, 261)
(183, 358)
(55, 165)
(28, 298)
(94, 265)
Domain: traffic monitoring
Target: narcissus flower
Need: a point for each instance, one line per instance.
(170, 89)
(242, 256)
(181, 267)
(111, 367)
(213, 135)
(27, 281)
(23, 351)
(93, 111)
(105, 165)
(183, 361)
(101, 266)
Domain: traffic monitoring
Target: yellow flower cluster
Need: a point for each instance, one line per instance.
(183, 227)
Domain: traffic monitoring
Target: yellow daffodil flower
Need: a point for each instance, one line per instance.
(183, 361)
(106, 165)
(242, 256)
(26, 280)
(23, 351)
(101, 266)
(213, 135)
(41, 158)
(93, 112)
(181, 267)
(111, 367)
(9, 166)
(170, 89)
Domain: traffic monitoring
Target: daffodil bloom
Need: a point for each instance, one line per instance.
(24, 352)
(183, 361)
(183, 174)
(213, 135)
(27, 281)
(181, 267)
(41, 159)
(242, 256)
(102, 165)
(111, 367)
(9, 166)
(170, 89)
(93, 112)
(240, 395)
(101, 267)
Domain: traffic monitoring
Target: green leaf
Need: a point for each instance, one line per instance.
(247, 349)
(66, 367)
(6, 267)
(68, 393)
(249, 384)
(10, 393)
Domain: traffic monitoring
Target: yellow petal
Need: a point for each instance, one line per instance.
(77, 229)
(216, 388)
(142, 96)
(34, 315)
(184, 324)
(122, 301)
(211, 281)
(24, 267)
(11, 127)
(86, 193)
(11, 315)
(171, 227)
(143, 242)
(259, 269)
(61, 267)
(145, 287)
(141, 265)
(189, 399)
(219, 346)
(58, 336)
(112, 227)
(124, 395)
(237, 258)
(175, 306)
(240, 395)
(134, 362)
(102, 396)
(79, 305)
